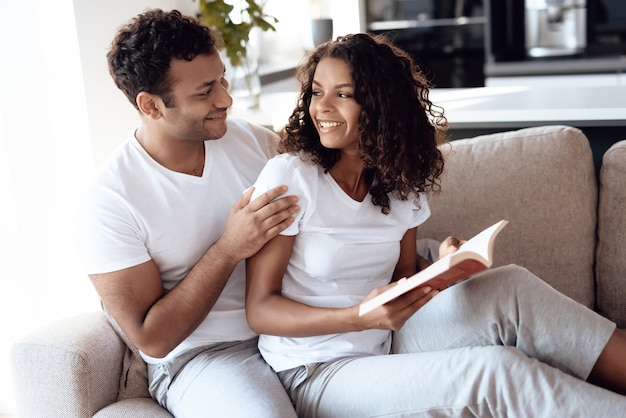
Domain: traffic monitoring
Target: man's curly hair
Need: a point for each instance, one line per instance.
(400, 128)
(140, 54)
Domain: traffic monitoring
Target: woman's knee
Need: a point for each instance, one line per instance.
(510, 280)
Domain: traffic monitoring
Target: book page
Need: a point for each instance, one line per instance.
(482, 243)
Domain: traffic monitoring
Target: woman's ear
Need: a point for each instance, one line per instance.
(148, 105)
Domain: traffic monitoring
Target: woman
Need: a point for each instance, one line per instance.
(360, 151)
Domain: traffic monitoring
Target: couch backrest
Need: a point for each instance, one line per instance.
(611, 253)
(540, 179)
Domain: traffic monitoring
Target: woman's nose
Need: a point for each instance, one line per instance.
(323, 104)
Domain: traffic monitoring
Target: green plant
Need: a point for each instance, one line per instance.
(217, 15)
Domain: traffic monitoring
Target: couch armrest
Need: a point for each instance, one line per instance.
(611, 252)
(70, 368)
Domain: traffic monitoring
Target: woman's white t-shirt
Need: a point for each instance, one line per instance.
(343, 249)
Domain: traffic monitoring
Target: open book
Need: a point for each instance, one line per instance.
(473, 256)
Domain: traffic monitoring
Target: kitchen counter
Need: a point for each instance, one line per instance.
(557, 66)
(519, 107)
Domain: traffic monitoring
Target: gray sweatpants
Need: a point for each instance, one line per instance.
(502, 344)
(223, 380)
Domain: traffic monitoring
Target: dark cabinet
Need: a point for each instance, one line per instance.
(445, 37)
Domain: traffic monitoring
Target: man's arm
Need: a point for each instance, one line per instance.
(157, 321)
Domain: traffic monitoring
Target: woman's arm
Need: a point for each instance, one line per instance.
(269, 312)
(408, 260)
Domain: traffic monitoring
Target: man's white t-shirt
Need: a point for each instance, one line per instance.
(138, 210)
(343, 249)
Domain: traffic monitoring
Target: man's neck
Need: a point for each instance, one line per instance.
(182, 156)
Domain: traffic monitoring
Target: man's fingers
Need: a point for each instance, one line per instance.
(279, 223)
(272, 209)
(267, 197)
(245, 198)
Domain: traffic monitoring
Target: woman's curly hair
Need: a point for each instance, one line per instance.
(139, 56)
(400, 128)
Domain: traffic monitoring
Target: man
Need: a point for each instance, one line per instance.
(169, 223)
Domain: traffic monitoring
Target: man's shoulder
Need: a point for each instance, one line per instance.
(240, 127)
(125, 166)
(245, 137)
(123, 154)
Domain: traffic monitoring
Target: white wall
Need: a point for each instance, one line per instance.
(111, 116)
(44, 155)
(286, 47)
(58, 107)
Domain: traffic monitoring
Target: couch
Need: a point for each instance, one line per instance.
(566, 225)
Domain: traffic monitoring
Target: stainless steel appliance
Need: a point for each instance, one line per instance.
(555, 27)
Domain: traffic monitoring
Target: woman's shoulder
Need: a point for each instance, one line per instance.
(289, 169)
(294, 163)
(415, 204)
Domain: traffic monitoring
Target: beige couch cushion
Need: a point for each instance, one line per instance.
(611, 253)
(134, 408)
(544, 182)
(69, 368)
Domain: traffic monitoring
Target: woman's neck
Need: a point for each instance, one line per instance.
(351, 176)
